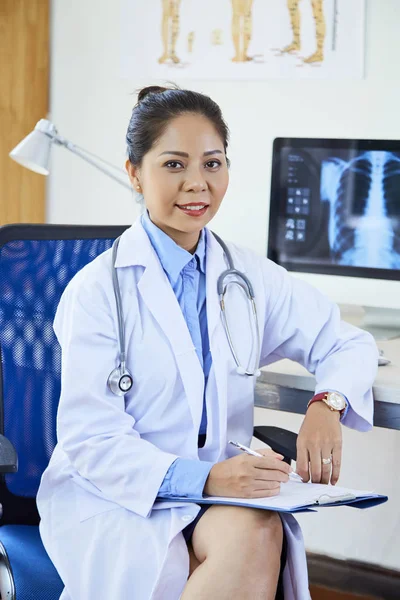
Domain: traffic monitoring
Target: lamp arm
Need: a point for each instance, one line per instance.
(95, 163)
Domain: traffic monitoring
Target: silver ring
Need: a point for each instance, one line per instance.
(327, 461)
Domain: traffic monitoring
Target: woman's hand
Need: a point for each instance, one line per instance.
(246, 476)
(320, 437)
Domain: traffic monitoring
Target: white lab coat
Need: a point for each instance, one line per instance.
(96, 497)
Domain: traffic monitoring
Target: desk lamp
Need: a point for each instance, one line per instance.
(34, 152)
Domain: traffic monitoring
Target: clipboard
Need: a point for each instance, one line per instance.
(295, 497)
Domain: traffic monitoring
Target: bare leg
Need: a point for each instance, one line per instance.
(293, 6)
(248, 29)
(175, 30)
(170, 30)
(320, 31)
(235, 554)
(236, 26)
(164, 32)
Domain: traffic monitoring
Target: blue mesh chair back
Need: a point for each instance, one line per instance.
(36, 264)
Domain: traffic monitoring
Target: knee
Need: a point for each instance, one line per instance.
(258, 532)
(266, 532)
(259, 537)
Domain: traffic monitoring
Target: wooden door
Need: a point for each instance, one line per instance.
(24, 99)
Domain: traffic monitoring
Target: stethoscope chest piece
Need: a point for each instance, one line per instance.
(120, 381)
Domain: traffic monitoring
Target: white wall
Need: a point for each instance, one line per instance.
(91, 105)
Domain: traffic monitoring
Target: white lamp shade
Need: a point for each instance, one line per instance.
(34, 150)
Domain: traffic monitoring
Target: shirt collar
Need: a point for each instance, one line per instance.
(172, 257)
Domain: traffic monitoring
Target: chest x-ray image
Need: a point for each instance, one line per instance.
(364, 217)
(334, 206)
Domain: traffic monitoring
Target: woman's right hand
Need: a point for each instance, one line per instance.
(247, 476)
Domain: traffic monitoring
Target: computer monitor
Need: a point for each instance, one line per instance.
(335, 218)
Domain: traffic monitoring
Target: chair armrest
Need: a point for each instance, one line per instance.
(8, 456)
(280, 440)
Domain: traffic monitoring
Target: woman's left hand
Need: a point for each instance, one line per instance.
(320, 437)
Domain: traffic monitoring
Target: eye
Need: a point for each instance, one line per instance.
(213, 164)
(174, 164)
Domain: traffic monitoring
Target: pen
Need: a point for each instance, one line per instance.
(292, 476)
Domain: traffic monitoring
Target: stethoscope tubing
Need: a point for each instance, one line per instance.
(222, 286)
(249, 291)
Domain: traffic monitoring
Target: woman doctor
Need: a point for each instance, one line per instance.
(168, 435)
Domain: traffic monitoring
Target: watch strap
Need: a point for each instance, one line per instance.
(321, 397)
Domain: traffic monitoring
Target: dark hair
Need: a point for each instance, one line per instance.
(157, 106)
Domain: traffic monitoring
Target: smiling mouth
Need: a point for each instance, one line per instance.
(193, 207)
(193, 210)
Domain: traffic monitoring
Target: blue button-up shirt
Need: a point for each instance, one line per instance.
(187, 275)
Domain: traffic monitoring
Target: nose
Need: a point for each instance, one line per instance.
(195, 181)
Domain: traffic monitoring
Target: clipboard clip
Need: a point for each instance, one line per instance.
(327, 499)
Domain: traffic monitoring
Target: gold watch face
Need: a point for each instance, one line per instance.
(336, 401)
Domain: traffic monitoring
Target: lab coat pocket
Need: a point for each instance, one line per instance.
(90, 504)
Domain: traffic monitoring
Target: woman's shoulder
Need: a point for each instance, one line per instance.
(93, 280)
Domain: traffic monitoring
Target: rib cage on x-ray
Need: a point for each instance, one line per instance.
(364, 198)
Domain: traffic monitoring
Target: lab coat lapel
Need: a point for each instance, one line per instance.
(158, 296)
(215, 266)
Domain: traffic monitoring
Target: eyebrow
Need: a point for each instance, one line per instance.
(186, 155)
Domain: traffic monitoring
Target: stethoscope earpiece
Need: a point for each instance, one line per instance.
(242, 371)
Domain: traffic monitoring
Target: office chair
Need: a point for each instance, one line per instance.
(36, 264)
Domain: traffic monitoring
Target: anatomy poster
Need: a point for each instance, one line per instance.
(242, 39)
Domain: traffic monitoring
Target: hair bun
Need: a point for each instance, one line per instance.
(150, 89)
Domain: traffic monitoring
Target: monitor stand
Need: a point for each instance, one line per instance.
(382, 323)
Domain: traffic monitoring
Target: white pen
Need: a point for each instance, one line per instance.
(292, 476)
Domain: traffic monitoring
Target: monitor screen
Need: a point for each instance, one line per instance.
(335, 207)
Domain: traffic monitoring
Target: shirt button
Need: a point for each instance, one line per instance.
(187, 518)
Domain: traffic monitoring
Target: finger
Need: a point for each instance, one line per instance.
(315, 464)
(302, 463)
(259, 490)
(271, 475)
(269, 462)
(326, 469)
(336, 462)
(266, 493)
(266, 485)
(269, 452)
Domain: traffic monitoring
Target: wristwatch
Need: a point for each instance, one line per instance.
(334, 400)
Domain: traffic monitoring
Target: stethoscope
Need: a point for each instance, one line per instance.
(120, 380)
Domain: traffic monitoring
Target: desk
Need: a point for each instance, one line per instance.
(286, 385)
